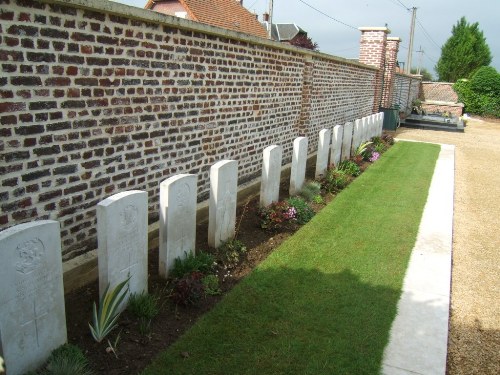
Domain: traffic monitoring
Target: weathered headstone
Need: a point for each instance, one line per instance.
(222, 206)
(346, 141)
(32, 316)
(299, 161)
(371, 126)
(323, 152)
(122, 239)
(271, 175)
(337, 136)
(177, 220)
(364, 129)
(356, 135)
(380, 123)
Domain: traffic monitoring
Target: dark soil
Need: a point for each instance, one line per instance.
(135, 351)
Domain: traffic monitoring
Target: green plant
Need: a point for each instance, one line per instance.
(388, 139)
(67, 359)
(104, 319)
(310, 190)
(380, 148)
(304, 211)
(350, 167)
(144, 307)
(335, 180)
(201, 261)
(230, 251)
(276, 216)
(318, 199)
(189, 289)
(211, 285)
(113, 347)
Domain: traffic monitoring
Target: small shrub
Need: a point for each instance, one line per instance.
(144, 307)
(318, 199)
(350, 167)
(229, 252)
(278, 215)
(211, 285)
(201, 262)
(388, 139)
(377, 140)
(189, 289)
(380, 148)
(310, 190)
(67, 359)
(335, 180)
(375, 156)
(104, 319)
(304, 212)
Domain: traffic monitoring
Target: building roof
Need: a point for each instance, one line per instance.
(228, 14)
(439, 91)
(284, 32)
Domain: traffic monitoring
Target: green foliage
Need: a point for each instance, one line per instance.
(104, 319)
(67, 359)
(202, 262)
(335, 180)
(229, 252)
(486, 81)
(211, 285)
(350, 167)
(476, 102)
(380, 148)
(304, 212)
(189, 289)
(387, 139)
(144, 307)
(318, 199)
(310, 190)
(463, 53)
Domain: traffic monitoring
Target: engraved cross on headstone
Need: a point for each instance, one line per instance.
(33, 320)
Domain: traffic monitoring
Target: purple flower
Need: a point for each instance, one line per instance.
(375, 156)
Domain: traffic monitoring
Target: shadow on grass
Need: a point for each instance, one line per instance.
(289, 321)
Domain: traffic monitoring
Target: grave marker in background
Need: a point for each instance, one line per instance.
(271, 175)
(323, 152)
(337, 136)
(299, 161)
(222, 205)
(177, 220)
(32, 315)
(122, 238)
(346, 141)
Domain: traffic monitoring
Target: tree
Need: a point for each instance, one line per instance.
(302, 40)
(426, 75)
(463, 53)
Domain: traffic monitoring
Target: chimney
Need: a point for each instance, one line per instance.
(265, 17)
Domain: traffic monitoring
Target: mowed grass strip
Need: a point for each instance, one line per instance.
(324, 301)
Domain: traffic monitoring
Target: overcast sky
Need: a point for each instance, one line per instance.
(435, 19)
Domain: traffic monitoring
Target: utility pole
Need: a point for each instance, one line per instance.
(270, 19)
(421, 51)
(412, 31)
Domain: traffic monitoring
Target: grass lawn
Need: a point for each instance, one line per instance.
(324, 301)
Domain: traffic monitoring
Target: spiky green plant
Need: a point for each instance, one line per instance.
(104, 319)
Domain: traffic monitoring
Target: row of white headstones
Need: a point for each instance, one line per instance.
(32, 315)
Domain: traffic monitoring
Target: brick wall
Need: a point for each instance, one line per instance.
(98, 98)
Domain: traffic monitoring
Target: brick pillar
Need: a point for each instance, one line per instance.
(372, 52)
(305, 111)
(391, 58)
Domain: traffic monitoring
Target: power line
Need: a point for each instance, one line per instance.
(327, 15)
(426, 33)
(404, 6)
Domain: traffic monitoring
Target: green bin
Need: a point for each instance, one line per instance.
(391, 117)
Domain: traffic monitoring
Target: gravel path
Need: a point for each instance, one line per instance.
(474, 332)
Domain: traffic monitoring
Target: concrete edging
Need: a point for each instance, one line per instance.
(418, 342)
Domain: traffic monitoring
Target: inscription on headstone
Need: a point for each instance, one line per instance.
(32, 316)
(299, 161)
(271, 175)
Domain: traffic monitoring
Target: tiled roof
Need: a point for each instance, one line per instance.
(439, 91)
(228, 14)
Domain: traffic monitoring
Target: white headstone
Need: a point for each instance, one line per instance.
(271, 175)
(299, 162)
(32, 316)
(122, 241)
(356, 136)
(371, 126)
(346, 141)
(380, 123)
(323, 152)
(337, 136)
(222, 207)
(364, 129)
(177, 220)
